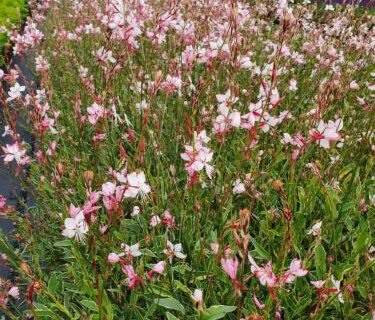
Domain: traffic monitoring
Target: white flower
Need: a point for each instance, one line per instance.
(141, 106)
(293, 85)
(136, 184)
(15, 92)
(336, 285)
(132, 250)
(329, 7)
(197, 296)
(174, 251)
(155, 220)
(108, 189)
(238, 187)
(315, 229)
(136, 211)
(76, 227)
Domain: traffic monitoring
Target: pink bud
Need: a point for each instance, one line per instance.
(113, 258)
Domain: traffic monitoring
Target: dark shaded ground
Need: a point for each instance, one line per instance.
(10, 187)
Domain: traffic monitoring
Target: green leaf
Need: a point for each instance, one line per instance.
(53, 283)
(320, 261)
(170, 303)
(170, 316)
(217, 312)
(259, 249)
(362, 239)
(90, 305)
(181, 286)
(63, 243)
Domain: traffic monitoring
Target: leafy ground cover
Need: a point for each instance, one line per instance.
(194, 160)
(11, 13)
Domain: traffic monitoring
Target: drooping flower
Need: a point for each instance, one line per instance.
(230, 267)
(197, 297)
(133, 280)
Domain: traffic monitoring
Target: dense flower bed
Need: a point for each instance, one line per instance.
(194, 160)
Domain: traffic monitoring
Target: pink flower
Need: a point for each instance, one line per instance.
(327, 132)
(295, 270)
(318, 284)
(14, 292)
(354, 85)
(198, 158)
(238, 187)
(226, 99)
(95, 112)
(157, 268)
(133, 280)
(172, 84)
(168, 219)
(41, 64)
(104, 55)
(230, 267)
(73, 211)
(113, 258)
(265, 275)
(254, 115)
